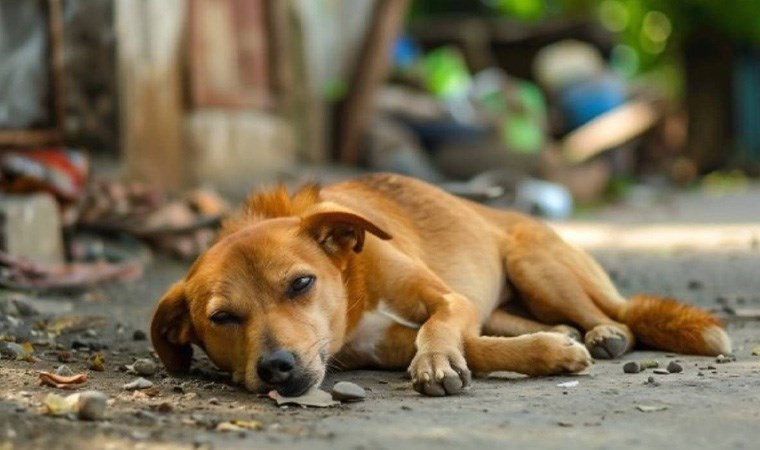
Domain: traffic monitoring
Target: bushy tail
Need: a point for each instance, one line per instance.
(668, 325)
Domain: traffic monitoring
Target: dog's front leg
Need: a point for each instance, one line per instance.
(439, 366)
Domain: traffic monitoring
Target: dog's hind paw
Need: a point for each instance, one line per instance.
(607, 342)
(439, 373)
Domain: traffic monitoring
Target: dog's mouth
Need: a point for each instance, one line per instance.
(293, 388)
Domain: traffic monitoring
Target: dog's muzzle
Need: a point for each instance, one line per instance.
(281, 370)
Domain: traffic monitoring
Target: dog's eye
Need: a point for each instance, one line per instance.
(224, 318)
(300, 285)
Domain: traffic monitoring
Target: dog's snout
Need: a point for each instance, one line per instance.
(276, 367)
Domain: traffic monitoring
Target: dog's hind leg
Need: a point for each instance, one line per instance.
(502, 323)
(539, 353)
(558, 286)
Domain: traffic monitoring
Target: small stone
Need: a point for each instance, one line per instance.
(661, 371)
(722, 359)
(650, 380)
(92, 405)
(711, 367)
(164, 407)
(139, 335)
(346, 391)
(24, 309)
(632, 367)
(146, 416)
(674, 367)
(145, 367)
(695, 285)
(140, 383)
(91, 333)
(64, 371)
(213, 401)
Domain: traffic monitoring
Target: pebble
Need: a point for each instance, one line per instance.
(632, 367)
(145, 367)
(722, 359)
(674, 367)
(146, 416)
(25, 309)
(140, 383)
(695, 285)
(661, 371)
(92, 405)
(139, 335)
(346, 391)
(64, 371)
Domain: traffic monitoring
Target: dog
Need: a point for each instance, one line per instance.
(389, 272)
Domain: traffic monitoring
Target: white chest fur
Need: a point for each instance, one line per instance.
(372, 329)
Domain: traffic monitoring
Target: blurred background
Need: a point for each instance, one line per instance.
(143, 117)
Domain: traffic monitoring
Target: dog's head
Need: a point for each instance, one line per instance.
(267, 302)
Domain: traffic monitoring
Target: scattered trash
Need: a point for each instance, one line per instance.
(646, 408)
(139, 383)
(313, 397)
(650, 364)
(568, 384)
(62, 382)
(88, 405)
(239, 425)
(97, 362)
(345, 391)
(632, 367)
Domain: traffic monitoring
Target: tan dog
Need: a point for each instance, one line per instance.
(295, 282)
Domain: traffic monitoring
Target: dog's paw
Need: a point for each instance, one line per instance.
(439, 373)
(557, 353)
(606, 342)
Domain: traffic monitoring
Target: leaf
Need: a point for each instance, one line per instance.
(313, 397)
(240, 425)
(97, 362)
(61, 382)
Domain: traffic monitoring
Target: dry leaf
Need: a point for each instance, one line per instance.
(61, 382)
(56, 405)
(97, 362)
(240, 425)
(313, 397)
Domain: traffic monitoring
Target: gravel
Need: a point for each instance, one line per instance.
(92, 405)
(632, 367)
(345, 391)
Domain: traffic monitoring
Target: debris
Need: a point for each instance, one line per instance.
(145, 367)
(674, 367)
(661, 371)
(722, 359)
(91, 405)
(140, 383)
(646, 408)
(240, 425)
(18, 352)
(313, 397)
(97, 362)
(62, 382)
(632, 367)
(650, 364)
(64, 371)
(146, 416)
(345, 391)
(568, 384)
(56, 405)
(756, 351)
(565, 424)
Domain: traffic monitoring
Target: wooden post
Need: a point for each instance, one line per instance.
(370, 71)
(150, 37)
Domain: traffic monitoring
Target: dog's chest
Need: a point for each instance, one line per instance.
(373, 327)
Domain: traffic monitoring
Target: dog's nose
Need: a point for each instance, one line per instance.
(276, 367)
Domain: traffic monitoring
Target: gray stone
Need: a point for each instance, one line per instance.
(64, 371)
(674, 367)
(12, 350)
(92, 405)
(632, 367)
(145, 367)
(139, 335)
(346, 391)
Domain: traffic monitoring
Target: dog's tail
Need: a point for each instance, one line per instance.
(666, 324)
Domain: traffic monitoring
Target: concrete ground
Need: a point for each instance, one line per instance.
(708, 405)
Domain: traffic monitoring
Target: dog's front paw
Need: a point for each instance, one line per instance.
(439, 373)
(558, 353)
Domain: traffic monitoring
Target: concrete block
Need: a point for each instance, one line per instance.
(233, 149)
(30, 227)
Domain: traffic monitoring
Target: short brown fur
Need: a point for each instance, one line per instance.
(404, 275)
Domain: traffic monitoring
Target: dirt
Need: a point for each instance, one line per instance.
(707, 405)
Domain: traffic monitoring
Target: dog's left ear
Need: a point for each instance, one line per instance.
(172, 331)
(340, 231)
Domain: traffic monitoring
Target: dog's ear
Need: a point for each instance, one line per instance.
(172, 331)
(340, 231)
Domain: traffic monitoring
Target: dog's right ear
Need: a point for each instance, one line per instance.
(172, 331)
